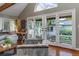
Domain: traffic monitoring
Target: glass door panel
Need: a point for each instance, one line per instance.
(30, 28)
(65, 29)
(38, 28)
(51, 29)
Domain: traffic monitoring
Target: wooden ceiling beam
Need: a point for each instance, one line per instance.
(5, 6)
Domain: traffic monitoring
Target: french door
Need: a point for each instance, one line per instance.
(34, 26)
(38, 28)
(58, 28)
(30, 28)
(51, 26)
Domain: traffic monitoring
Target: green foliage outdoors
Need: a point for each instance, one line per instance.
(65, 39)
(65, 32)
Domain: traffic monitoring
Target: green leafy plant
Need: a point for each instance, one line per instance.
(7, 41)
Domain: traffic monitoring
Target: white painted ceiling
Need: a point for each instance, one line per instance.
(14, 10)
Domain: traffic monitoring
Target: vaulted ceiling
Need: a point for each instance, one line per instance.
(12, 9)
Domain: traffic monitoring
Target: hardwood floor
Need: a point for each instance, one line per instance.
(59, 51)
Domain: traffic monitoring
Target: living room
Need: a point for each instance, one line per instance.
(39, 29)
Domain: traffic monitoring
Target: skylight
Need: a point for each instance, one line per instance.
(44, 6)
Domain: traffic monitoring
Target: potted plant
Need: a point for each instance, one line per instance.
(7, 42)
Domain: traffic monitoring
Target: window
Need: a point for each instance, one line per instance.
(44, 6)
(12, 25)
(65, 29)
(58, 28)
(1, 24)
(7, 25)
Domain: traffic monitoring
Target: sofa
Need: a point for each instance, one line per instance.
(13, 37)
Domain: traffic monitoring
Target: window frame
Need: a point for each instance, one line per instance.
(57, 43)
(35, 8)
